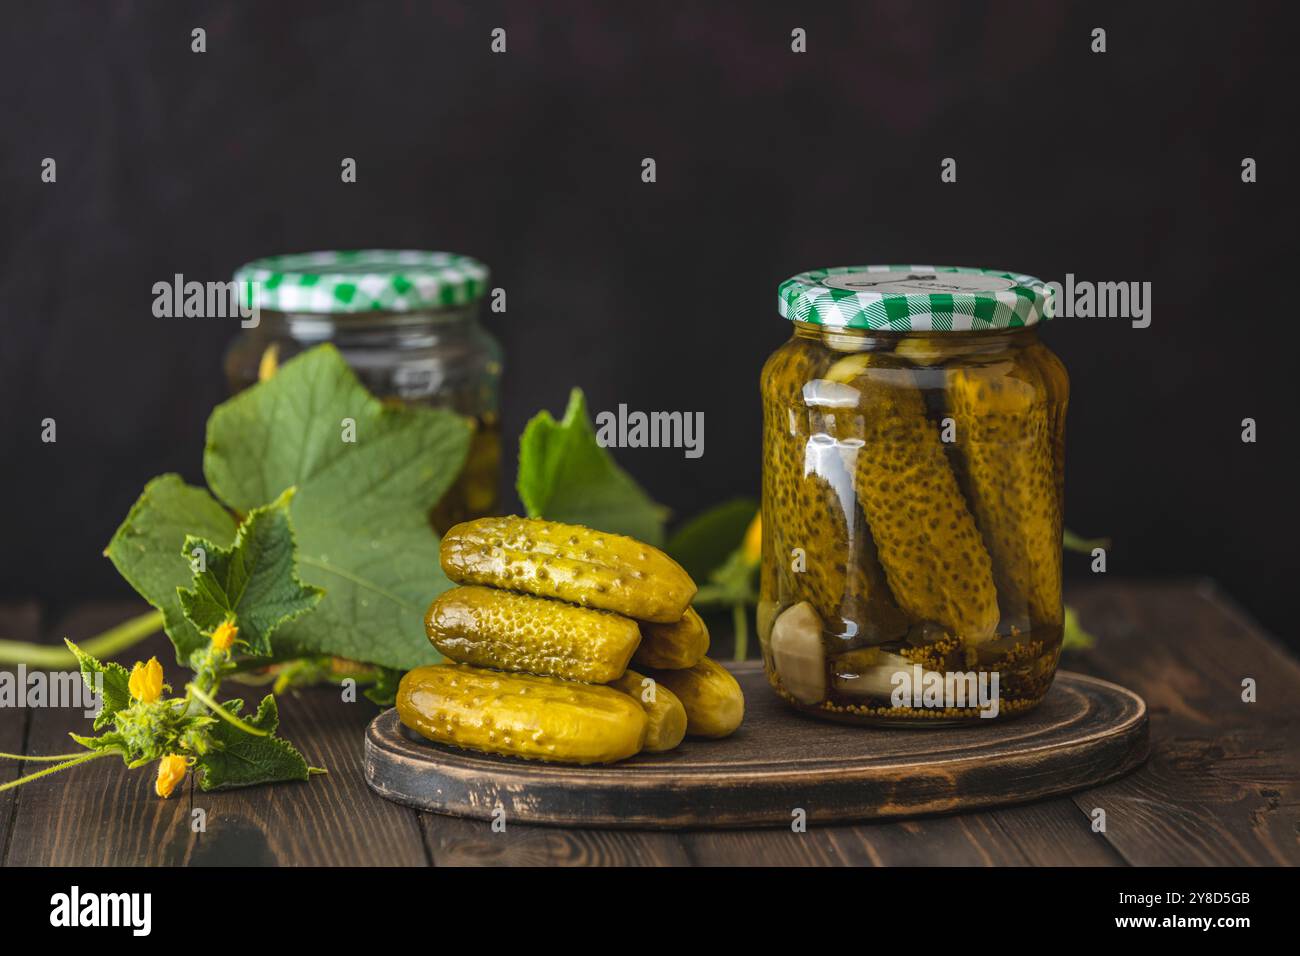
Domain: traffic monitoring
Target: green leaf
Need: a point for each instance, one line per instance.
(253, 583)
(114, 684)
(1075, 637)
(704, 543)
(109, 741)
(244, 760)
(384, 690)
(360, 513)
(564, 475)
(146, 550)
(731, 584)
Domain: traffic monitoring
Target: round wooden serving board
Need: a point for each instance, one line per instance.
(1086, 732)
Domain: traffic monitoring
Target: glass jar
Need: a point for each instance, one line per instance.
(407, 323)
(913, 452)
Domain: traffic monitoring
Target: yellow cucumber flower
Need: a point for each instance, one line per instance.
(146, 682)
(171, 771)
(224, 636)
(753, 546)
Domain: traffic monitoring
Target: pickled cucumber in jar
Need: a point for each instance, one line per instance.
(913, 457)
(822, 552)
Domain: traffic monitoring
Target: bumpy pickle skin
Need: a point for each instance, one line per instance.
(714, 702)
(1006, 444)
(769, 588)
(571, 563)
(1056, 382)
(673, 646)
(935, 561)
(487, 627)
(520, 715)
(808, 505)
(665, 715)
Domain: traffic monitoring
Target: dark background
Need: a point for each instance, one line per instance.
(1116, 167)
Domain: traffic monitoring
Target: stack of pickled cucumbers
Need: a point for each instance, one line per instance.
(541, 636)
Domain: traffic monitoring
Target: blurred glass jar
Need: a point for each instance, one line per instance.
(913, 459)
(406, 321)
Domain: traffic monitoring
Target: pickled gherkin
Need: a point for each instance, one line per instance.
(571, 563)
(673, 645)
(517, 632)
(714, 702)
(1056, 385)
(769, 603)
(666, 717)
(936, 563)
(822, 551)
(1006, 444)
(520, 715)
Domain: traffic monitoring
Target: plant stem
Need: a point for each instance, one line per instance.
(224, 714)
(93, 755)
(1073, 542)
(103, 646)
(47, 759)
(740, 624)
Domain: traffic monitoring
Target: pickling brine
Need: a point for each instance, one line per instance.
(912, 492)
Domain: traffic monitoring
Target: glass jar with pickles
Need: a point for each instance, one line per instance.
(913, 443)
(407, 323)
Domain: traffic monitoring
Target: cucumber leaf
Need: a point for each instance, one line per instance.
(241, 759)
(111, 681)
(1075, 637)
(565, 475)
(367, 476)
(384, 690)
(253, 583)
(704, 543)
(146, 550)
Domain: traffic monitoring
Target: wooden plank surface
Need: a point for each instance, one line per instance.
(454, 841)
(1047, 833)
(332, 819)
(97, 814)
(1055, 833)
(102, 814)
(18, 622)
(1222, 784)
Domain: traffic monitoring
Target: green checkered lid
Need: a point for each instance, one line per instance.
(915, 298)
(362, 280)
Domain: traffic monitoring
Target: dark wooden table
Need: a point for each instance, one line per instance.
(1222, 785)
